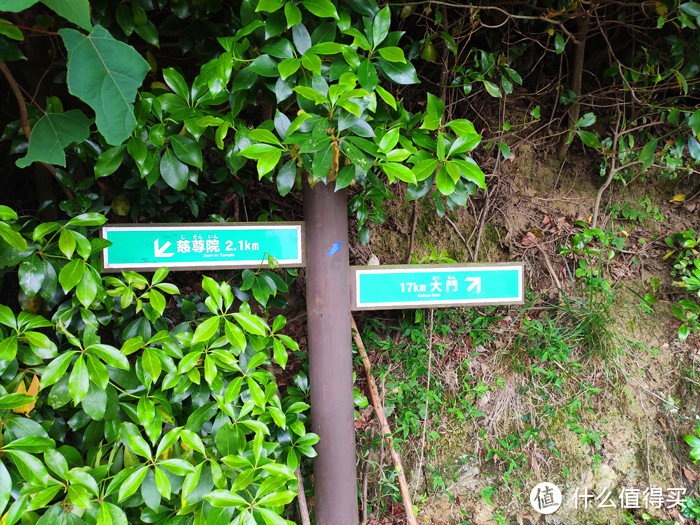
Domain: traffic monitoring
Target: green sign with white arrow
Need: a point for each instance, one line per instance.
(200, 246)
(419, 286)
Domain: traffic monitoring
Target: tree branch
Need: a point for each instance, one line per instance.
(24, 121)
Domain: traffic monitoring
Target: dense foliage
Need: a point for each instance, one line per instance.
(119, 402)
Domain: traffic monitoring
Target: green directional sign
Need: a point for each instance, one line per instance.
(418, 286)
(200, 246)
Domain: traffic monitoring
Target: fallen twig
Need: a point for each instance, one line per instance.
(454, 226)
(386, 431)
(482, 220)
(301, 496)
(549, 267)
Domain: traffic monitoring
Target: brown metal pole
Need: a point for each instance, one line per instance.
(330, 354)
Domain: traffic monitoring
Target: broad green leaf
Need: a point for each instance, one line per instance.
(79, 380)
(132, 483)
(398, 72)
(311, 94)
(272, 518)
(206, 329)
(56, 462)
(109, 161)
(320, 8)
(66, 243)
(52, 134)
(162, 483)
(86, 290)
(492, 89)
(234, 335)
(30, 468)
(367, 75)
(12, 238)
(472, 172)
(168, 441)
(7, 213)
(694, 122)
(138, 445)
(105, 73)
(647, 154)
(179, 467)
(281, 497)
(292, 13)
(693, 149)
(286, 177)
(252, 323)
(174, 173)
(257, 151)
(194, 442)
(16, 400)
(15, 6)
(505, 151)
(151, 363)
(187, 150)
(157, 301)
(5, 487)
(444, 182)
(201, 416)
(312, 63)
(280, 353)
(10, 30)
(110, 514)
(559, 43)
(8, 348)
(264, 65)
(301, 38)
(95, 402)
(380, 27)
(288, 67)
(76, 11)
(87, 219)
(31, 274)
(56, 368)
(244, 479)
(176, 82)
(224, 498)
(269, 6)
(398, 171)
(389, 140)
(392, 54)
(587, 120)
(7, 317)
(434, 113)
(589, 138)
(71, 274)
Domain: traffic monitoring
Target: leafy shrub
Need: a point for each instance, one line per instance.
(113, 413)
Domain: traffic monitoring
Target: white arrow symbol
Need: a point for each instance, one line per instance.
(160, 250)
(475, 281)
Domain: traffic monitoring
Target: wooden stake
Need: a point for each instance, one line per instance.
(386, 431)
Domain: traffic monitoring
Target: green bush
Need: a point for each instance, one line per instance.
(113, 412)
